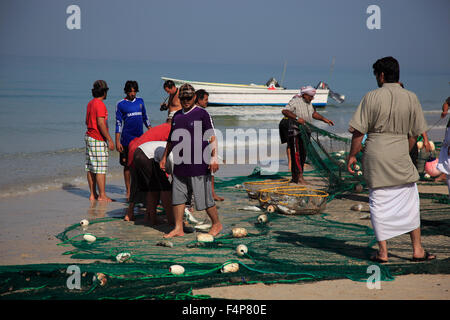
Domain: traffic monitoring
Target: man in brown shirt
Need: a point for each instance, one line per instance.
(392, 118)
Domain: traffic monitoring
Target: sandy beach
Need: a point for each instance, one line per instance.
(29, 225)
(253, 59)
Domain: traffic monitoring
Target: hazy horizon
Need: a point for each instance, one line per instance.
(261, 32)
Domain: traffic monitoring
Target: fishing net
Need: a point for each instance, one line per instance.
(327, 153)
(129, 260)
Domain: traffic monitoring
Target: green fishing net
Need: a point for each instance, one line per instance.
(132, 261)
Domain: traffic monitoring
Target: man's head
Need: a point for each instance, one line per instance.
(169, 87)
(130, 89)
(187, 96)
(308, 93)
(201, 98)
(99, 89)
(386, 70)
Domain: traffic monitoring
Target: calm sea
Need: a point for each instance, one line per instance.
(43, 104)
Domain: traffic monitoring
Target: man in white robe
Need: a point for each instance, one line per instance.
(392, 118)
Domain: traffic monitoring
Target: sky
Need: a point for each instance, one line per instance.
(302, 33)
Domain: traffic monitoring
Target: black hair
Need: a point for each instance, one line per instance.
(99, 88)
(169, 84)
(131, 85)
(390, 67)
(200, 94)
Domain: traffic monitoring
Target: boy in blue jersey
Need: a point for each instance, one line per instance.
(130, 115)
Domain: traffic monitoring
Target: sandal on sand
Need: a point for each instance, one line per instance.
(376, 258)
(426, 257)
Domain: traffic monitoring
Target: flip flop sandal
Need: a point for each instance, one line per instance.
(376, 258)
(426, 257)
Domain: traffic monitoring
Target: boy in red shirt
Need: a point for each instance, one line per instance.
(98, 141)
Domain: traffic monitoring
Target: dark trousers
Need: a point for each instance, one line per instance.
(298, 156)
(146, 176)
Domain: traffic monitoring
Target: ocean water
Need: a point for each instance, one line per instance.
(43, 104)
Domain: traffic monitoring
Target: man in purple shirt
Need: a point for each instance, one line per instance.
(194, 159)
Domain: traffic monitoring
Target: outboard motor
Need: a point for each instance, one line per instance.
(322, 85)
(336, 96)
(272, 82)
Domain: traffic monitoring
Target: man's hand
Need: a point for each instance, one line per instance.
(329, 122)
(162, 164)
(301, 121)
(119, 147)
(427, 146)
(350, 163)
(111, 144)
(214, 166)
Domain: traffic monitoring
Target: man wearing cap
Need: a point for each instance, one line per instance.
(300, 110)
(392, 117)
(194, 159)
(97, 141)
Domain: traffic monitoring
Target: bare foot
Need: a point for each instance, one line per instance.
(217, 198)
(174, 233)
(215, 229)
(106, 199)
(93, 197)
(129, 217)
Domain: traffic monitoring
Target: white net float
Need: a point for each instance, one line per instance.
(89, 237)
(123, 256)
(205, 237)
(241, 250)
(230, 267)
(357, 207)
(239, 232)
(262, 218)
(84, 223)
(176, 269)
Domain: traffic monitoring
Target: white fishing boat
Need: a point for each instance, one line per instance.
(270, 94)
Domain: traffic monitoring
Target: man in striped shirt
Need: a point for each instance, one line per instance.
(300, 110)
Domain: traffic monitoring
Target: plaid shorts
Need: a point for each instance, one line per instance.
(97, 153)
